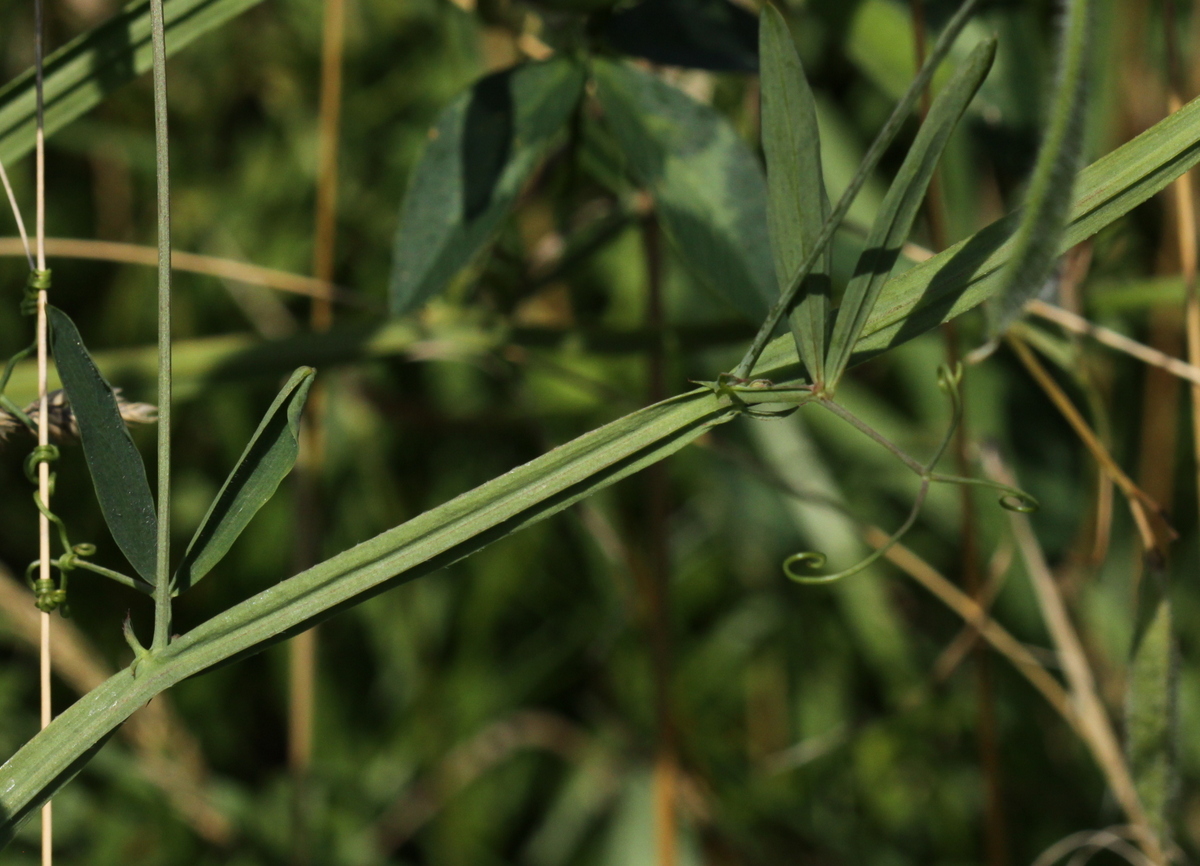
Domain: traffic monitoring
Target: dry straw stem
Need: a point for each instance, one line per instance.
(169, 757)
(1077, 324)
(213, 266)
(1139, 500)
(1086, 705)
(975, 615)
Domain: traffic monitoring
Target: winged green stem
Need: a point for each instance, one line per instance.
(162, 571)
(891, 128)
(1047, 207)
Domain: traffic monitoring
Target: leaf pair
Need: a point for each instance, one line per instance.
(119, 475)
(799, 206)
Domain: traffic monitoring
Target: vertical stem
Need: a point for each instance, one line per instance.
(39, 51)
(658, 496)
(162, 575)
(995, 837)
(303, 648)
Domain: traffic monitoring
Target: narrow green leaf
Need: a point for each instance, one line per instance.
(797, 204)
(866, 169)
(116, 466)
(267, 460)
(968, 273)
(482, 150)
(1051, 187)
(900, 207)
(83, 72)
(1151, 708)
(708, 186)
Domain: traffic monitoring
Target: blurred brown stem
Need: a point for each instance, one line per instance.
(309, 518)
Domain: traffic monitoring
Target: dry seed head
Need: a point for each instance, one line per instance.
(61, 420)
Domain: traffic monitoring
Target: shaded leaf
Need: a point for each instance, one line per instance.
(1151, 708)
(797, 204)
(701, 34)
(116, 466)
(900, 207)
(268, 458)
(1047, 204)
(84, 71)
(708, 186)
(482, 150)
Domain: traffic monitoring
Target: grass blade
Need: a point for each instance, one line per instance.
(482, 150)
(797, 204)
(900, 208)
(708, 187)
(116, 466)
(1047, 202)
(268, 458)
(84, 71)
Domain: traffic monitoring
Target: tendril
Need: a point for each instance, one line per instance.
(1013, 499)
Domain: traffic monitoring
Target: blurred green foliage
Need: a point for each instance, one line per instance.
(504, 710)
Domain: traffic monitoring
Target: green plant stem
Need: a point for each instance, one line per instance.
(162, 573)
(881, 143)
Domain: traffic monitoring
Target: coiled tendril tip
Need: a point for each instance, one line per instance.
(807, 559)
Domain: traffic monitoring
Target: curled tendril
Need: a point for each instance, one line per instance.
(948, 378)
(817, 560)
(1020, 502)
(808, 559)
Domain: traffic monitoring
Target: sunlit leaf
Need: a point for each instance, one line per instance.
(797, 205)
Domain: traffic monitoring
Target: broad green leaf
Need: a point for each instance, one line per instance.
(83, 72)
(1151, 708)
(116, 466)
(267, 460)
(482, 150)
(1047, 204)
(708, 186)
(797, 205)
(900, 207)
(701, 34)
(912, 303)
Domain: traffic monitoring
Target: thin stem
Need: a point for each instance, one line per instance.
(213, 266)
(881, 143)
(16, 211)
(39, 51)
(858, 424)
(1077, 324)
(162, 574)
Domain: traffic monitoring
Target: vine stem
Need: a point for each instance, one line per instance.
(162, 573)
(39, 52)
